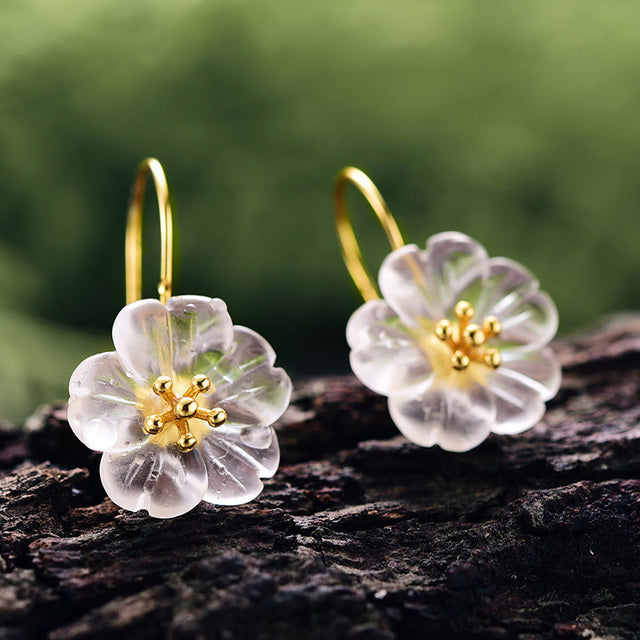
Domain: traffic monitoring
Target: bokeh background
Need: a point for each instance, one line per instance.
(514, 122)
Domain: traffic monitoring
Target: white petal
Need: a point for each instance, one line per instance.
(531, 323)
(428, 283)
(201, 329)
(456, 419)
(154, 340)
(236, 460)
(103, 409)
(507, 290)
(538, 369)
(163, 481)
(384, 354)
(451, 257)
(141, 337)
(501, 285)
(518, 406)
(247, 386)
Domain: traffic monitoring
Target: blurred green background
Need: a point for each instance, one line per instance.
(516, 123)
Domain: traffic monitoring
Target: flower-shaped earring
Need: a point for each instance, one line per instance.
(458, 341)
(182, 409)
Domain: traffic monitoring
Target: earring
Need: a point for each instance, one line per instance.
(458, 340)
(182, 409)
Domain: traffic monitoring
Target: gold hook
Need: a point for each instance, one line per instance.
(133, 241)
(348, 243)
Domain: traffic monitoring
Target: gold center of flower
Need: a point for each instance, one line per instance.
(467, 339)
(182, 408)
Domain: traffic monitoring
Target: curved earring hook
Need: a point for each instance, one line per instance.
(133, 240)
(348, 243)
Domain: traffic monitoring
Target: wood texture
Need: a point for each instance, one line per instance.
(360, 535)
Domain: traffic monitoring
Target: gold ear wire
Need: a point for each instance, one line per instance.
(348, 243)
(133, 240)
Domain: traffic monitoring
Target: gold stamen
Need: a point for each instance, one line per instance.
(187, 442)
(492, 358)
(443, 330)
(491, 326)
(217, 417)
(464, 310)
(201, 383)
(186, 407)
(460, 360)
(473, 335)
(182, 408)
(162, 385)
(466, 338)
(153, 425)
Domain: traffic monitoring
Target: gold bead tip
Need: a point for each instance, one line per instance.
(460, 360)
(443, 330)
(186, 407)
(464, 310)
(492, 326)
(217, 417)
(492, 358)
(474, 336)
(162, 385)
(187, 442)
(201, 383)
(153, 425)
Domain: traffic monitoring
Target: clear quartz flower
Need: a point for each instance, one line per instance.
(458, 343)
(224, 454)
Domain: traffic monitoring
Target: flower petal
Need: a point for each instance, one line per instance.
(201, 329)
(236, 459)
(538, 369)
(500, 286)
(456, 419)
(103, 410)
(247, 386)
(153, 339)
(518, 406)
(507, 290)
(162, 480)
(428, 283)
(141, 338)
(531, 323)
(384, 355)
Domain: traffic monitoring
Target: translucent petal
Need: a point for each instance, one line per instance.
(531, 323)
(510, 292)
(236, 460)
(141, 337)
(451, 256)
(154, 340)
(501, 286)
(247, 386)
(105, 426)
(163, 481)
(200, 327)
(538, 369)
(384, 355)
(103, 408)
(427, 283)
(403, 284)
(456, 419)
(518, 406)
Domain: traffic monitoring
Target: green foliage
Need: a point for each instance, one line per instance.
(513, 122)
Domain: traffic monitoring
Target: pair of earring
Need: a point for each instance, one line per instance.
(183, 409)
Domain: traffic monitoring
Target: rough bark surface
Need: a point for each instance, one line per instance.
(361, 535)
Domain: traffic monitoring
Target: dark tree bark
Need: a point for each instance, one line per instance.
(361, 535)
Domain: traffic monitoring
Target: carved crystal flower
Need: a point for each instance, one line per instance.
(458, 343)
(182, 409)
